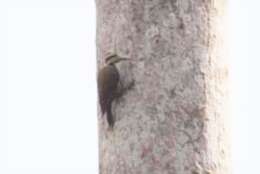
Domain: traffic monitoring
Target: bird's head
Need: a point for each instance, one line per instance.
(113, 59)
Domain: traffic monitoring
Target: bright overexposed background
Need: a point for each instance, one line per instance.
(48, 120)
(48, 91)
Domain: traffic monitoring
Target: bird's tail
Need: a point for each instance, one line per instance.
(110, 118)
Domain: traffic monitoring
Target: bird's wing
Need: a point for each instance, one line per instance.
(107, 85)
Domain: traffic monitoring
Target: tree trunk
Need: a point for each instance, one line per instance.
(175, 119)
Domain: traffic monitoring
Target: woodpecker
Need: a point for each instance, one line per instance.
(108, 80)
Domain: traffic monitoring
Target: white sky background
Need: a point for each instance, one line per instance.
(47, 90)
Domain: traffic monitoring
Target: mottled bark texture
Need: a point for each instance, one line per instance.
(175, 119)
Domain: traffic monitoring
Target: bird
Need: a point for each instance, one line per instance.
(108, 82)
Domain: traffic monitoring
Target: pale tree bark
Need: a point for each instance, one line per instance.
(175, 119)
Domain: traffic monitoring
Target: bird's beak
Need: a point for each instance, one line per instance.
(123, 58)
